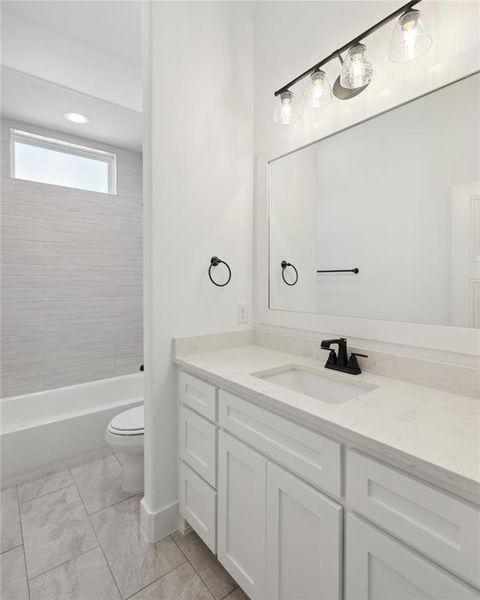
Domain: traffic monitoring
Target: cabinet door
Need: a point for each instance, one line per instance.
(304, 532)
(381, 568)
(198, 504)
(241, 514)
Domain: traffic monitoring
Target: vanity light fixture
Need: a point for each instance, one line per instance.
(318, 91)
(76, 118)
(410, 40)
(286, 109)
(356, 70)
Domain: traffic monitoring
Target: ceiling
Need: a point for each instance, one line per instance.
(74, 56)
(113, 27)
(32, 100)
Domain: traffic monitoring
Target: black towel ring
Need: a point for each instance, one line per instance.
(214, 262)
(284, 264)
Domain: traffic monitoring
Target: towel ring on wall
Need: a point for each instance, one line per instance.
(284, 264)
(214, 262)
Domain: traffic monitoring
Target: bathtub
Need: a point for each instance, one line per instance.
(44, 430)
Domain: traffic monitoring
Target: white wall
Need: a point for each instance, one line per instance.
(71, 266)
(199, 177)
(281, 51)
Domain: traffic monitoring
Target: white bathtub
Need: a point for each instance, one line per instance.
(47, 429)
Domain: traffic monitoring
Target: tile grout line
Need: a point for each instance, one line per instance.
(49, 494)
(156, 580)
(64, 487)
(103, 552)
(230, 592)
(95, 512)
(201, 578)
(23, 542)
(78, 489)
(96, 536)
(12, 548)
(62, 564)
(98, 545)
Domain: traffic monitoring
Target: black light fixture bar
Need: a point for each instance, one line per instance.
(406, 7)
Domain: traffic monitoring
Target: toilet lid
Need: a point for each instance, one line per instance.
(129, 420)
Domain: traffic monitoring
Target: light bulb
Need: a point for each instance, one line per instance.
(78, 118)
(356, 71)
(318, 91)
(410, 38)
(286, 109)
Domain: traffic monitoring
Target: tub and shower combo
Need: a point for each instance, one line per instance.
(57, 427)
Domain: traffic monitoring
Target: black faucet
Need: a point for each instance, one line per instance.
(341, 362)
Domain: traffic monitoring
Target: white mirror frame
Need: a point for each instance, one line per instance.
(443, 338)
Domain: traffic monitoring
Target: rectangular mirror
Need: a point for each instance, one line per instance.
(396, 197)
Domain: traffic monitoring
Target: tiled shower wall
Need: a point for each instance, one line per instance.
(71, 305)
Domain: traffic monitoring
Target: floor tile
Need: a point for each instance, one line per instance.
(237, 594)
(44, 485)
(84, 578)
(56, 528)
(11, 534)
(98, 482)
(13, 575)
(181, 584)
(205, 563)
(134, 562)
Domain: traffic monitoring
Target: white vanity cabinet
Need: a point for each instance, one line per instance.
(380, 568)
(291, 519)
(242, 476)
(277, 536)
(303, 533)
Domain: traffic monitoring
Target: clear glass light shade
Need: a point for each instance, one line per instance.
(318, 91)
(356, 70)
(286, 109)
(410, 38)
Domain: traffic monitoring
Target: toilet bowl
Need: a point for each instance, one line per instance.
(124, 435)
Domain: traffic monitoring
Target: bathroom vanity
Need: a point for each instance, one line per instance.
(313, 484)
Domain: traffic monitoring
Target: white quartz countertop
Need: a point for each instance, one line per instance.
(431, 433)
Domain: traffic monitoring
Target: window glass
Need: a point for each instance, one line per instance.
(46, 160)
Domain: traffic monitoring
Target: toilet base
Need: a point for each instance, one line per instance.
(132, 479)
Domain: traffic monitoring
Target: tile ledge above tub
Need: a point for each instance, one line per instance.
(391, 421)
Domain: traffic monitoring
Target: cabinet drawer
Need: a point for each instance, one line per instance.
(198, 443)
(442, 527)
(381, 568)
(198, 505)
(308, 454)
(197, 394)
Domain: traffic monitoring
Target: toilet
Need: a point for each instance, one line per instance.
(124, 435)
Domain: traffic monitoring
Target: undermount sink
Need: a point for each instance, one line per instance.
(314, 384)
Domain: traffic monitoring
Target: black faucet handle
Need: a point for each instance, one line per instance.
(358, 354)
(332, 357)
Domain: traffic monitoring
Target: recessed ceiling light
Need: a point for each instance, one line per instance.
(78, 118)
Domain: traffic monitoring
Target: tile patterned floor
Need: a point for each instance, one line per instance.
(74, 535)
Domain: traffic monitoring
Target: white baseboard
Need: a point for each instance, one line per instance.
(183, 526)
(157, 525)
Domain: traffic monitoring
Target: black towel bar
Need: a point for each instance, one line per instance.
(355, 270)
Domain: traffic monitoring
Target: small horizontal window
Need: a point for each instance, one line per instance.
(47, 160)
